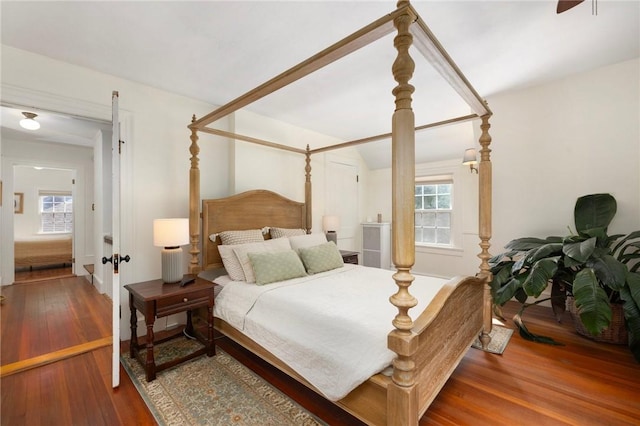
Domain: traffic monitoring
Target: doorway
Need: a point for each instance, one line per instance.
(43, 226)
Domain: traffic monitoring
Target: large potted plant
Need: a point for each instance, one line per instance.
(599, 271)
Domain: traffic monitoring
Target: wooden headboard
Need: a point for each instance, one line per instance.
(249, 210)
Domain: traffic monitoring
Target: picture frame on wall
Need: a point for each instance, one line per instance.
(18, 202)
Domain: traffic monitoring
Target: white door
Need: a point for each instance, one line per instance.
(342, 200)
(116, 257)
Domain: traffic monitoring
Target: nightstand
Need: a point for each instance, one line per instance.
(155, 299)
(349, 256)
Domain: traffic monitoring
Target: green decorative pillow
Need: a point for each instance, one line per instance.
(320, 258)
(276, 266)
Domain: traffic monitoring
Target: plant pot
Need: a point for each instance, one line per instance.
(616, 332)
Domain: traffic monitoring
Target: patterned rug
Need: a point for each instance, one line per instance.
(212, 391)
(499, 338)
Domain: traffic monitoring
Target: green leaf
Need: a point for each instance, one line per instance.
(527, 335)
(633, 288)
(620, 245)
(541, 272)
(580, 251)
(501, 275)
(547, 250)
(591, 301)
(506, 292)
(609, 271)
(528, 243)
(594, 211)
(631, 297)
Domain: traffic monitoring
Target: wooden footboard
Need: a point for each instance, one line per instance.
(42, 252)
(445, 331)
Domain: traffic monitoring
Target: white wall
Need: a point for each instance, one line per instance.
(259, 167)
(550, 145)
(557, 142)
(443, 262)
(30, 182)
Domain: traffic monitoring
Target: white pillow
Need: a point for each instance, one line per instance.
(231, 263)
(269, 246)
(309, 240)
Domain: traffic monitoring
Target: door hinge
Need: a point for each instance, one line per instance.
(73, 260)
(73, 181)
(120, 143)
(93, 207)
(357, 178)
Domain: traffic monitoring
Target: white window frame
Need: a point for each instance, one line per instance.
(436, 181)
(440, 171)
(44, 193)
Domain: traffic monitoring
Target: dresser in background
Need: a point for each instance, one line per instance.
(376, 245)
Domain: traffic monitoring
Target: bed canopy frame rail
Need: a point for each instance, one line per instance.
(403, 402)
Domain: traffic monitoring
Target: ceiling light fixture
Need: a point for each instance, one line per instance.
(28, 121)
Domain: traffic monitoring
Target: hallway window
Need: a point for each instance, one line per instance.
(56, 212)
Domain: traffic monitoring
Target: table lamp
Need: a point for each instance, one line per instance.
(170, 234)
(330, 224)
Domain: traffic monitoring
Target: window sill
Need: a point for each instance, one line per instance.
(439, 250)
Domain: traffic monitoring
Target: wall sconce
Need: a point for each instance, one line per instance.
(331, 224)
(170, 234)
(28, 121)
(470, 159)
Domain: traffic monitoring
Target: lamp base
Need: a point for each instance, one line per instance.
(172, 264)
(332, 236)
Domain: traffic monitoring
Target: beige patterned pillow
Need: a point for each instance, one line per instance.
(241, 237)
(269, 246)
(231, 263)
(286, 232)
(277, 266)
(323, 257)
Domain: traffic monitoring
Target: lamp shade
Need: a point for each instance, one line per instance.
(469, 156)
(170, 232)
(330, 223)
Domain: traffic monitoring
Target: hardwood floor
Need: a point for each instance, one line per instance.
(581, 383)
(42, 274)
(39, 318)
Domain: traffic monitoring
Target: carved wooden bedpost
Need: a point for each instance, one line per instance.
(402, 398)
(307, 190)
(485, 173)
(194, 201)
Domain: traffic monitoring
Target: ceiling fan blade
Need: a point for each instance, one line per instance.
(564, 5)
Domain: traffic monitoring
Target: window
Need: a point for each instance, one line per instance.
(433, 208)
(56, 212)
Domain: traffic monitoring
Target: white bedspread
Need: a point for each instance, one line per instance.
(331, 328)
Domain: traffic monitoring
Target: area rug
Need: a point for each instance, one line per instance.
(212, 391)
(499, 338)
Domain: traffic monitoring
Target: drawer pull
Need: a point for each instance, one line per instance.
(185, 300)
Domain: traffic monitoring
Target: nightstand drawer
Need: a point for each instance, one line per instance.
(180, 303)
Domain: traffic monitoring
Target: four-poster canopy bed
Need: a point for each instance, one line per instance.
(428, 348)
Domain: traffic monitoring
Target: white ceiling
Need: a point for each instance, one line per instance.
(217, 50)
